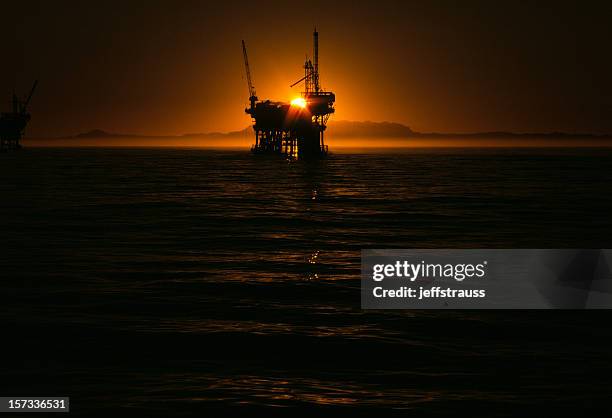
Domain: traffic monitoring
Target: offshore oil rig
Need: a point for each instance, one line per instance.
(13, 124)
(295, 129)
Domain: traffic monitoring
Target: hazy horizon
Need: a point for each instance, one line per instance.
(340, 134)
(390, 128)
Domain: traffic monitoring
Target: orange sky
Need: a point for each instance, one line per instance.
(165, 68)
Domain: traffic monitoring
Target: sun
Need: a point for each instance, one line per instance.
(299, 102)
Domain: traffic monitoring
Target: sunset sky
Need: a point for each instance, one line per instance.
(173, 67)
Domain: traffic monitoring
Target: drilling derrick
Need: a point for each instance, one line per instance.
(292, 129)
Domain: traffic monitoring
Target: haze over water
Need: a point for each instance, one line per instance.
(164, 280)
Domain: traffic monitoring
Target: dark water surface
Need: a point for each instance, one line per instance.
(176, 281)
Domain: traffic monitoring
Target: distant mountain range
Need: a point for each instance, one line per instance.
(352, 129)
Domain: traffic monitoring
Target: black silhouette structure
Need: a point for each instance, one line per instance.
(13, 124)
(293, 129)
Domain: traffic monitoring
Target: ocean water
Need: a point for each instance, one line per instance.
(189, 281)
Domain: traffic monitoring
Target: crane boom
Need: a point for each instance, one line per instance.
(248, 71)
(27, 102)
(307, 76)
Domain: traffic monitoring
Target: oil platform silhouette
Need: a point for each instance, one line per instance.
(294, 129)
(13, 124)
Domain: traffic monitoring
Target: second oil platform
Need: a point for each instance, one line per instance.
(292, 129)
(13, 124)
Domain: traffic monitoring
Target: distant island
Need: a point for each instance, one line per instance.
(99, 133)
(339, 133)
(353, 129)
